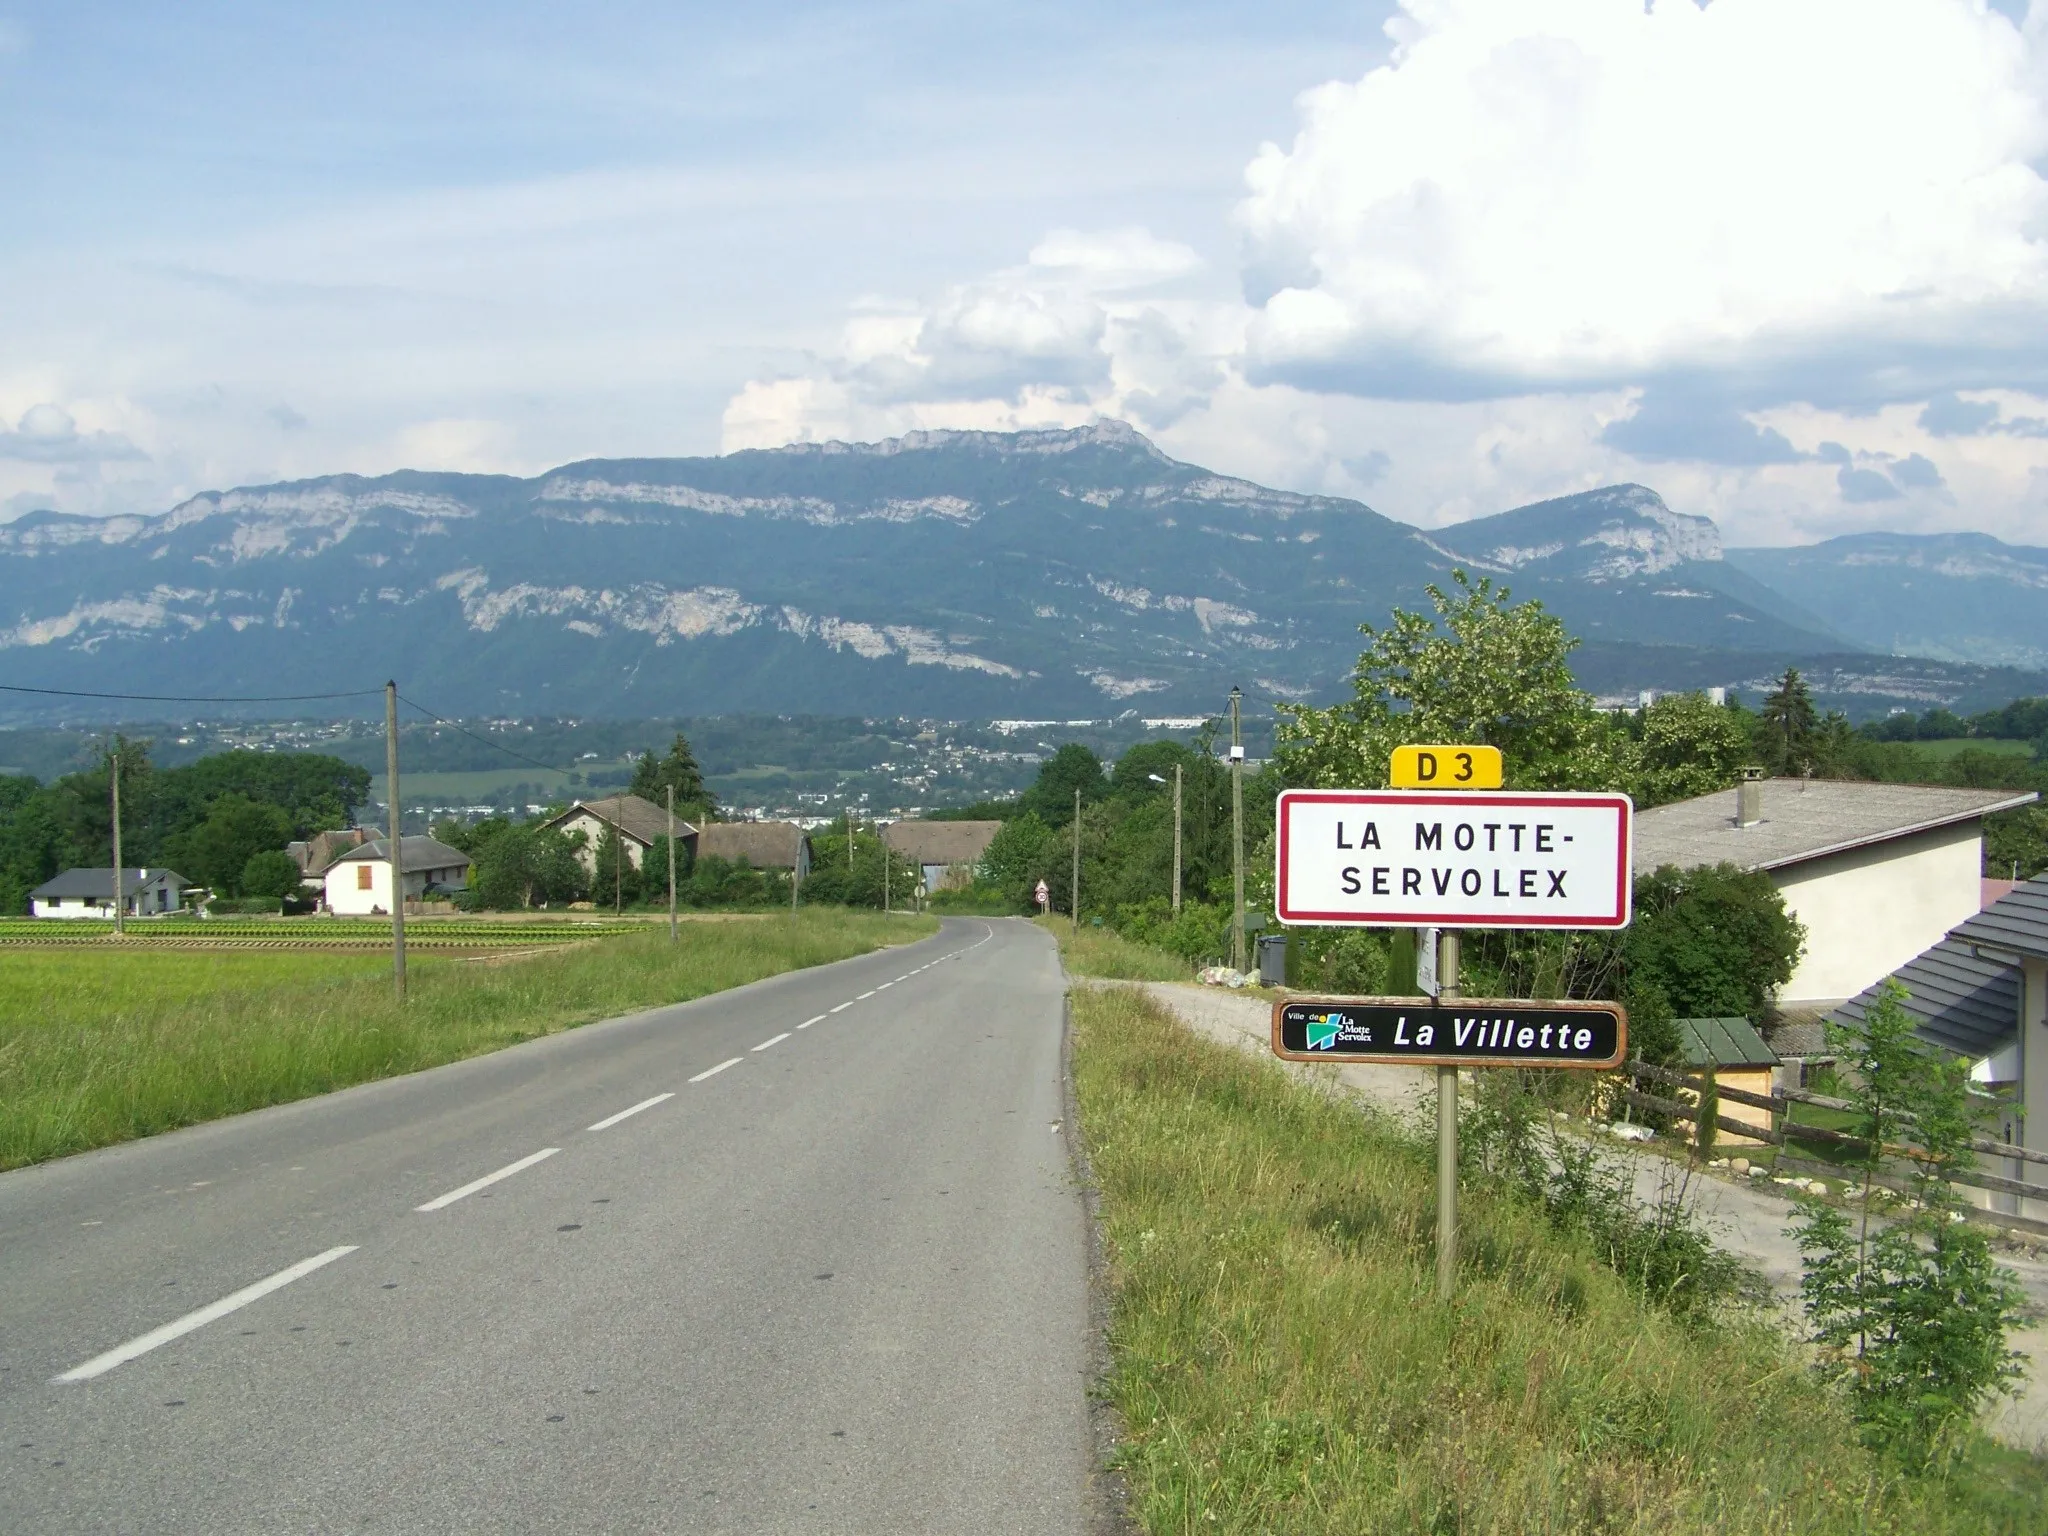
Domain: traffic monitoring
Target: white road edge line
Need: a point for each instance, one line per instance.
(488, 1180)
(885, 986)
(807, 1023)
(626, 1114)
(766, 1043)
(714, 1071)
(840, 1009)
(99, 1365)
(866, 995)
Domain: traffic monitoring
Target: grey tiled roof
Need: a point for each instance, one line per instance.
(1803, 819)
(640, 819)
(2016, 923)
(415, 853)
(1964, 1001)
(100, 882)
(763, 844)
(941, 842)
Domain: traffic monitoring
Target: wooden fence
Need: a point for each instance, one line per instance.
(1784, 1132)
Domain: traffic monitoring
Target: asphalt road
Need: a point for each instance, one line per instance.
(839, 1284)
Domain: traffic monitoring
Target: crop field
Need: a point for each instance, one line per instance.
(303, 933)
(102, 1041)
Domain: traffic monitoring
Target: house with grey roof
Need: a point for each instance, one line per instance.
(1981, 993)
(1877, 873)
(636, 821)
(358, 883)
(763, 844)
(90, 893)
(945, 852)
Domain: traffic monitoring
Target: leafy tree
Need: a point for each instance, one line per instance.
(616, 878)
(273, 873)
(652, 778)
(1072, 767)
(1475, 670)
(1021, 855)
(1715, 942)
(315, 792)
(1689, 747)
(2016, 843)
(1912, 1320)
(1789, 725)
(831, 880)
(218, 849)
(527, 865)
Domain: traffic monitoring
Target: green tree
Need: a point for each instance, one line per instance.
(1021, 855)
(218, 849)
(1912, 1319)
(616, 881)
(1051, 796)
(653, 776)
(273, 873)
(527, 865)
(1714, 942)
(1788, 725)
(1689, 747)
(1475, 670)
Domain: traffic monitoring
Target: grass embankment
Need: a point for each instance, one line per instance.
(1107, 956)
(102, 1046)
(1282, 1366)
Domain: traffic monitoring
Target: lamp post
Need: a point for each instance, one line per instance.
(1176, 832)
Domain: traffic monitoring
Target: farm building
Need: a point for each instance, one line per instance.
(1736, 1054)
(763, 844)
(638, 822)
(1876, 872)
(317, 854)
(358, 883)
(90, 893)
(945, 851)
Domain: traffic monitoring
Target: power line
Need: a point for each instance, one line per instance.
(193, 698)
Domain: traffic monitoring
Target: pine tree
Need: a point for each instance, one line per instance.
(1789, 722)
(652, 777)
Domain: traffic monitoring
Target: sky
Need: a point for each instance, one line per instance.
(1784, 261)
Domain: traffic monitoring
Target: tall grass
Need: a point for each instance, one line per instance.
(101, 1046)
(1107, 955)
(1282, 1366)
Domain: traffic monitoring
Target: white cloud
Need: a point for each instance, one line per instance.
(1538, 194)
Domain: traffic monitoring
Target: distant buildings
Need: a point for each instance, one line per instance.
(636, 821)
(358, 883)
(944, 851)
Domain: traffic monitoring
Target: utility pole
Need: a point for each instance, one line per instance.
(849, 841)
(1176, 839)
(1236, 833)
(1447, 1132)
(395, 848)
(120, 896)
(796, 860)
(672, 864)
(1076, 894)
(885, 875)
(618, 864)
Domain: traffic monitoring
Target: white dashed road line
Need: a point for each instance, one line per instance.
(777, 1040)
(626, 1114)
(488, 1180)
(99, 1365)
(714, 1071)
(840, 1009)
(807, 1023)
(864, 997)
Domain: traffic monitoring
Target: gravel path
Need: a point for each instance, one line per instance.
(1747, 1218)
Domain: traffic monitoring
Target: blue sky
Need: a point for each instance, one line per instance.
(1508, 249)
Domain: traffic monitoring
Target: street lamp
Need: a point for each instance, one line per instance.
(1176, 832)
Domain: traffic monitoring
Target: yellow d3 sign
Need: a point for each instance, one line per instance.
(1445, 768)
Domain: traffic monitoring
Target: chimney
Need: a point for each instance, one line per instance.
(1749, 798)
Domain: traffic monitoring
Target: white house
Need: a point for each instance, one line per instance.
(1876, 872)
(90, 893)
(358, 883)
(637, 821)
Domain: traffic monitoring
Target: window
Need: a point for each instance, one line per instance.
(362, 877)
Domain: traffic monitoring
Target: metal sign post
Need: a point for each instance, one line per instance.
(1448, 846)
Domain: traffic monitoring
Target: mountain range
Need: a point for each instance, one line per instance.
(942, 574)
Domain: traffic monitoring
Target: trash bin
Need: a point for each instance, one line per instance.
(1273, 959)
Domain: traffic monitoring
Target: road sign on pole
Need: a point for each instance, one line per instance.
(1043, 895)
(1466, 1032)
(1492, 859)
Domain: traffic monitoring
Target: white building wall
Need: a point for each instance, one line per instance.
(1870, 910)
(346, 897)
(593, 829)
(77, 906)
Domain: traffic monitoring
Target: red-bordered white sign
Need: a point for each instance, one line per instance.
(1478, 859)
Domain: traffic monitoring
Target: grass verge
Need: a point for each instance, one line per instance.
(103, 1046)
(1281, 1365)
(1105, 955)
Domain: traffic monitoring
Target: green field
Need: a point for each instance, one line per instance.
(109, 1043)
(1280, 1363)
(1954, 744)
(308, 932)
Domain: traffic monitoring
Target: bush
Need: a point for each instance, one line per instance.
(272, 873)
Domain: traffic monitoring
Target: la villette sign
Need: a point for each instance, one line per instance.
(1472, 1032)
(1462, 859)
